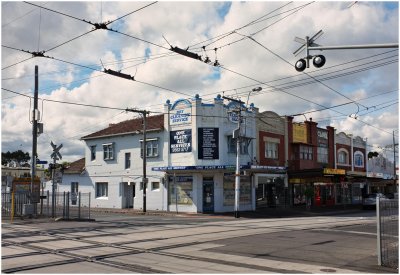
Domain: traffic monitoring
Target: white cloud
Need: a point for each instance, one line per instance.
(186, 24)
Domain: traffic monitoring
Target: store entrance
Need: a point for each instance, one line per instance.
(324, 194)
(208, 195)
(269, 192)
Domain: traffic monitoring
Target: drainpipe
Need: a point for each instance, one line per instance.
(334, 149)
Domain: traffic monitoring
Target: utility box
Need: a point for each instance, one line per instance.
(27, 209)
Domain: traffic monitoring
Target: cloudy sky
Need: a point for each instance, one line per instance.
(356, 91)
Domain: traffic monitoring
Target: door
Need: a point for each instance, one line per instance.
(129, 194)
(208, 195)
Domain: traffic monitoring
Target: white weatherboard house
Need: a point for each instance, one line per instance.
(191, 160)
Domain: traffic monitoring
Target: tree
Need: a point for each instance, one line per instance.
(372, 154)
(17, 156)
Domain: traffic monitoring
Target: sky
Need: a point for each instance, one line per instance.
(356, 91)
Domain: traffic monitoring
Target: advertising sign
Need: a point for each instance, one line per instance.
(299, 133)
(23, 185)
(208, 140)
(322, 138)
(181, 113)
(181, 141)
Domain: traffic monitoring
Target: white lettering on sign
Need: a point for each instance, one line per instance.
(322, 134)
(181, 117)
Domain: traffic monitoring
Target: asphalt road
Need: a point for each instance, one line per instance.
(118, 243)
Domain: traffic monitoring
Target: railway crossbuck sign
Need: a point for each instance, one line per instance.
(56, 154)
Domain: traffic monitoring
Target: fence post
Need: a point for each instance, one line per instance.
(12, 206)
(68, 196)
(48, 203)
(378, 231)
(89, 205)
(79, 207)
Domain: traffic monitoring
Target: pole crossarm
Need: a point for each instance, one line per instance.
(342, 47)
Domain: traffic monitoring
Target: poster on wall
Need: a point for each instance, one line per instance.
(208, 140)
(181, 141)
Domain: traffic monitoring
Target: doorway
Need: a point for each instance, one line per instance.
(128, 195)
(208, 195)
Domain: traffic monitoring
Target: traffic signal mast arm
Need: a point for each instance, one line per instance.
(319, 60)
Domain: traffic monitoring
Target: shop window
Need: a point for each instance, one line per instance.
(358, 159)
(180, 190)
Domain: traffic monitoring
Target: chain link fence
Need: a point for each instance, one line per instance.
(387, 213)
(53, 205)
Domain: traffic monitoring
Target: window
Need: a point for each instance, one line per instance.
(101, 189)
(127, 160)
(322, 154)
(342, 157)
(359, 159)
(108, 151)
(271, 150)
(155, 186)
(151, 148)
(93, 152)
(306, 152)
(244, 145)
(74, 187)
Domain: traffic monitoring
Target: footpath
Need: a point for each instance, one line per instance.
(275, 212)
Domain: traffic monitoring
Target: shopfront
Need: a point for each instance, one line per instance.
(320, 187)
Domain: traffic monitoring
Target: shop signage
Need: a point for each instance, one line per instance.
(299, 133)
(181, 141)
(330, 171)
(209, 167)
(322, 137)
(23, 185)
(208, 140)
(181, 113)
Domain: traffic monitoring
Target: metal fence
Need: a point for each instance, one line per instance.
(54, 205)
(387, 213)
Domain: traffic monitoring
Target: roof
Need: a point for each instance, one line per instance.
(129, 126)
(75, 167)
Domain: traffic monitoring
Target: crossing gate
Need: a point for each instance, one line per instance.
(387, 214)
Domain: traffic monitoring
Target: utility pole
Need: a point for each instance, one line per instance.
(236, 134)
(35, 118)
(394, 160)
(144, 113)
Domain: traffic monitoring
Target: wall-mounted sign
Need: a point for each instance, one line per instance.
(300, 133)
(181, 113)
(233, 115)
(322, 138)
(331, 171)
(208, 140)
(181, 141)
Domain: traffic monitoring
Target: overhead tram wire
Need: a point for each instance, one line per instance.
(256, 21)
(243, 38)
(93, 69)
